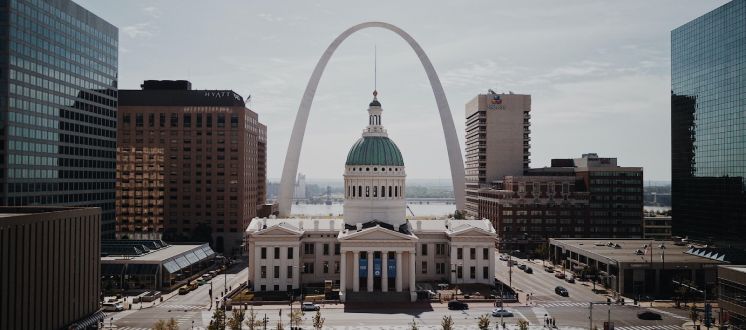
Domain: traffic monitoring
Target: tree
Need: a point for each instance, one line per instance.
(218, 320)
(522, 324)
(413, 325)
(296, 318)
(542, 252)
(163, 325)
(251, 321)
(318, 321)
(236, 319)
(446, 323)
(484, 322)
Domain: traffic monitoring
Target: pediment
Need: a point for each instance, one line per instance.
(376, 233)
(470, 231)
(281, 229)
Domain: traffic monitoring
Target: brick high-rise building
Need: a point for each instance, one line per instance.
(497, 141)
(191, 164)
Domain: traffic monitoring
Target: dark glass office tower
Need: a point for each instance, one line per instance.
(58, 101)
(708, 125)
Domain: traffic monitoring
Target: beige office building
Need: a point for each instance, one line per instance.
(497, 141)
(49, 267)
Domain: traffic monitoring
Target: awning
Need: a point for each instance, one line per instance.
(182, 261)
(88, 321)
(192, 258)
(171, 266)
(200, 254)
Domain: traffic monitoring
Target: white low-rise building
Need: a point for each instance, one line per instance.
(374, 248)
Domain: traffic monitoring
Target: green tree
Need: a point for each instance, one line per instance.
(296, 318)
(522, 324)
(251, 320)
(446, 323)
(542, 252)
(318, 321)
(413, 325)
(218, 320)
(163, 325)
(237, 317)
(484, 322)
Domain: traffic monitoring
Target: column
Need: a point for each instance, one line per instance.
(491, 271)
(370, 271)
(255, 275)
(412, 271)
(356, 271)
(385, 271)
(297, 267)
(398, 271)
(343, 272)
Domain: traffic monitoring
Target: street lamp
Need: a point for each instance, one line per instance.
(454, 269)
(510, 268)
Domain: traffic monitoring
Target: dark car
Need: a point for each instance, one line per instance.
(457, 305)
(521, 266)
(528, 270)
(561, 291)
(649, 316)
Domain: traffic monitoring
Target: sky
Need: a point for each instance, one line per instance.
(598, 71)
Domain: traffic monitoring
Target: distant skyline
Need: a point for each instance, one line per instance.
(598, 72)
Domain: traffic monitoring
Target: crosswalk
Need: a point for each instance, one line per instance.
(549, 304)
(649, 327)
(676, 316)
(184, 307)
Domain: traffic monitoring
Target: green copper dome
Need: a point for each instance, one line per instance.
(375, 150)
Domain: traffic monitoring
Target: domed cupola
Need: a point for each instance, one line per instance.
(374, 175)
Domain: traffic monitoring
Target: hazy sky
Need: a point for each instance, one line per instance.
(598, 71)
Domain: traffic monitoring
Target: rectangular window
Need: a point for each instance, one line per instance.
(440, 249)
(326, 249)
(459, 272)
(424, 249)
(174, 120)
(264, 253)
(264, 271)
(472, 272)
(459, 253)
(485, 272)
(326, 267)
(290, 271)
(472, 253)
(486, 253)
(162, 119)
(277, 272)
(276, 287)
(263, 288)
(187, 120)
(336, 249)
(308, 268)
(138, 119)
(208, 120)
(277, 253)
(234, 121)
(199, 120)
(336, 267)
(290, 253)
(151, 120)
(424, 267)
(308, 248)
(221, 120)
(440, 268)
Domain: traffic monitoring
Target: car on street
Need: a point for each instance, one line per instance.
(521, 266)
(183, 290)
(549, 269)
(501, 312)
(308, 306)
(503, 257)
(649, 316)
(457, 305)
(570, 279)
(528, 270)
(561, 291)
(112, 307)
(559, 275)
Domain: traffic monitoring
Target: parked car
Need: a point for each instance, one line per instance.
(649, 316)
(521, 266)
(561, 291)
(501, 312)
(570, 279)
(201, 281)
(113, 307)
(559, 275)
(183, 290)
(457, 305)
(528, 270)
(309, 306)
(549, 269)
(503, 257)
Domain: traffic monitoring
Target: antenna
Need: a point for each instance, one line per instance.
(375, 67)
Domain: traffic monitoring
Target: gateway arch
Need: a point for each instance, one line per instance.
(290, 169)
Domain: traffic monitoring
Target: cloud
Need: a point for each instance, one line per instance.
(152, 11)
(270, 17)
(138, 30)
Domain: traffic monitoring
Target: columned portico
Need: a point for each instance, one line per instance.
(385, 271)
(398, 271)
(370, 271)
(356, 271)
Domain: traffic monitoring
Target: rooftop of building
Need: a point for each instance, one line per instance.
(177, 93)
(628, 250)
(10, 213)
(161, 254)
(738, 268)
(338, 224)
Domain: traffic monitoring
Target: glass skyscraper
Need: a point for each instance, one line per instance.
(58, 101)
(708, 125)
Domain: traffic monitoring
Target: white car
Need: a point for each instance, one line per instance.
(501, 312)
(113, 307)
(309, 306)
